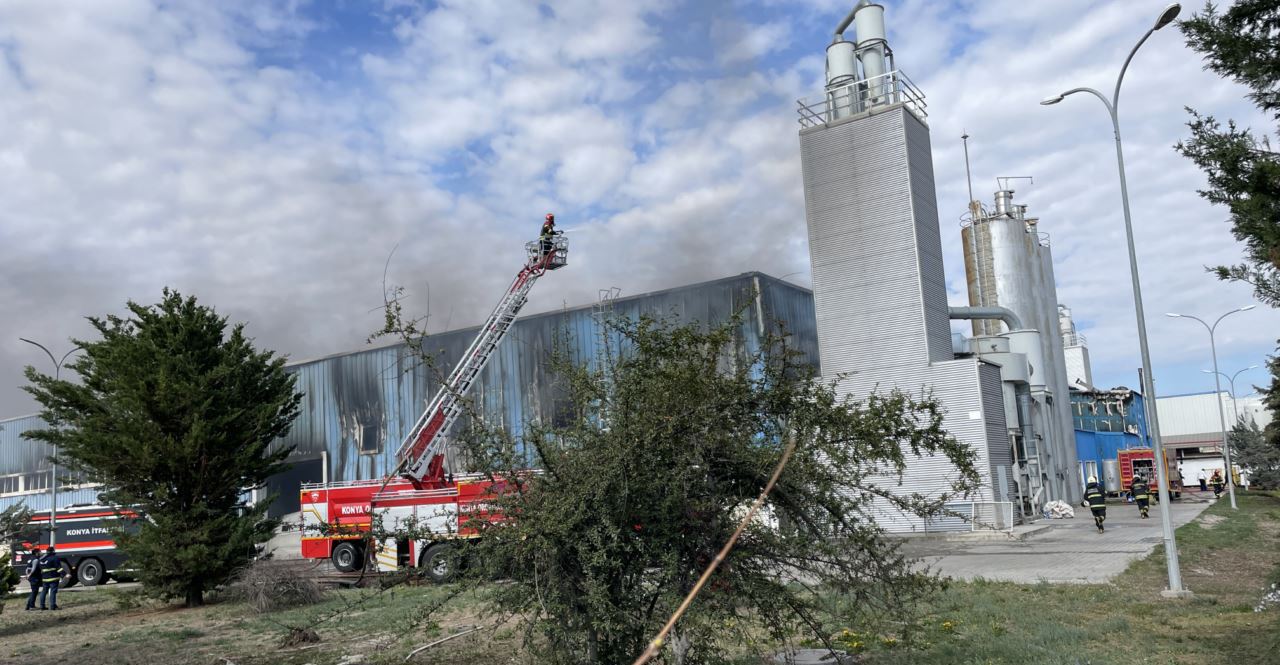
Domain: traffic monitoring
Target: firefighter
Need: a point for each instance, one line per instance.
(1141, 492)
(1096, 499)
(1217, 483)
(50, 575)
(33, 577)
(548, 233)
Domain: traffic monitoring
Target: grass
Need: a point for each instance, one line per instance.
(1228, 565)
(1227, 558)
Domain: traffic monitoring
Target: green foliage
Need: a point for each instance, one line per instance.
(658, 448)
(175, 415)
(1243, 171)
(1256, 450)
(13, 521)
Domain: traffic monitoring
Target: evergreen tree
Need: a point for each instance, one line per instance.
(13, 523)
(1257, 454)
(1242, 43)
(175, 415)
(657, 448)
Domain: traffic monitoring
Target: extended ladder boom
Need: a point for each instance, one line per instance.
(421, 457)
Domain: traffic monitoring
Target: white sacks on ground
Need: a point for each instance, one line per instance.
(1058, 510)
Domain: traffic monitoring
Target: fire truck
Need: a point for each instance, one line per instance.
(1141, 461)
(84, 543)
(439, 507)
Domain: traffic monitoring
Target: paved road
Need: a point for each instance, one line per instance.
(1067, 551)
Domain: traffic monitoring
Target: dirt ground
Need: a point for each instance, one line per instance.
(102, 626)
(1229, 558)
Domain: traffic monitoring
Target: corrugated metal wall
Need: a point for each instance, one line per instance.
(358, 406)
(969, 392)
(873, 235)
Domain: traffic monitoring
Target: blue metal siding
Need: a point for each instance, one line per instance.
(368, 399)
(380, 393)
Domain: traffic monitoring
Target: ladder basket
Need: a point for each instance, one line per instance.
(559, 252)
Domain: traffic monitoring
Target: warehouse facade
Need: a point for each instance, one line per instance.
(358, 406)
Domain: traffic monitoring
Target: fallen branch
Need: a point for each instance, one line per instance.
(439, 641)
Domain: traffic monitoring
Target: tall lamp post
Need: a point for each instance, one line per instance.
(53, 483)
(1175, 589)
(1231, 381)
(1217, 384)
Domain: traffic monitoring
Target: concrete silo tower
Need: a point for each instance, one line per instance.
(876, 254)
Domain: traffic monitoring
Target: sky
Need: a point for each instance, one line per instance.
(275, 158)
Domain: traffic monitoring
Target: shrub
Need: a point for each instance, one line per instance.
(268, 585)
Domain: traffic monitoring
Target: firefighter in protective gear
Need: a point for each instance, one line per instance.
(1096, 499)
(50, 575)
(548, 233)
(1141, 492)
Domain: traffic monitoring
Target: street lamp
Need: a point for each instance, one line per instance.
(1231, 380)
(1217, 383)
(1175, 589)
(53, 483)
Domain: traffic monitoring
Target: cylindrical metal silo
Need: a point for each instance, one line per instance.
(842, 73)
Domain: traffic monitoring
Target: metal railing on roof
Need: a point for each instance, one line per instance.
(857, 97)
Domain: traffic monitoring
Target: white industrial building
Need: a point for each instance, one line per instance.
(880, 296)
(1191, 429)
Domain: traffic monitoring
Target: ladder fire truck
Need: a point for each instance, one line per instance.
(337, 517)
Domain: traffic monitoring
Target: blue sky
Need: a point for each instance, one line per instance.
(268, 156)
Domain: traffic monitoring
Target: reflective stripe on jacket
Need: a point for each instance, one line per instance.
(1094, 496)
(1140, 490)
(50, 569)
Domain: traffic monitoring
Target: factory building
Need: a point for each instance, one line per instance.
(1107, 422)
(1191, 431)
(880, 293)
(877, 316)
(358, 406)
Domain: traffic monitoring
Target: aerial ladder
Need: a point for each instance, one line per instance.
(422, 456)
(336, 517)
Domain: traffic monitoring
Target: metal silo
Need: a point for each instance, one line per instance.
(1008, 263)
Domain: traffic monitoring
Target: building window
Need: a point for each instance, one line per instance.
(368, 441)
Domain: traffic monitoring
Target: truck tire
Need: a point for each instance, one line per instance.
(90, 572)
(439, 563)
(68, 578)
(347, 557)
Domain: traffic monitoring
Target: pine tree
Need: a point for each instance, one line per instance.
(1243, 170)
(175, 415)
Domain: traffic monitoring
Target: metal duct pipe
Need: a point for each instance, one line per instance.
(1002, 313)
(844, 24)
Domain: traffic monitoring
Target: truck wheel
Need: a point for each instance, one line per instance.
(89, 572)
(347, 557)
(68, 578)
(439, 563)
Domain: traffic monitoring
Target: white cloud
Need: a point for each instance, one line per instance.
(191, 144)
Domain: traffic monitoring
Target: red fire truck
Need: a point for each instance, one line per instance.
(421, 493)
(1142, 461)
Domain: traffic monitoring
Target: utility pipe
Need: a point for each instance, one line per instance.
(1004, 314)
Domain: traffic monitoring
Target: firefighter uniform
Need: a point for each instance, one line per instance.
(548, 233)
(1097, 501)
(50, 575)
(1141, 494)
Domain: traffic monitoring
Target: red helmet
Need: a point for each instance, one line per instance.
(551, 218)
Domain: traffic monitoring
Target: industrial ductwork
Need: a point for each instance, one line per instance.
(1004, 314)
